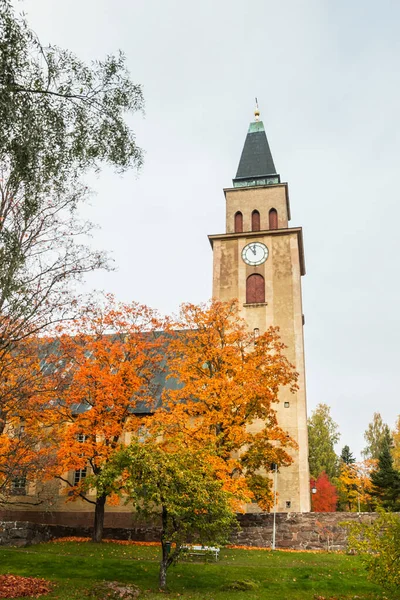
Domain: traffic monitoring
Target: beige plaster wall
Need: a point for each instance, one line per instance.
(283, 308)
(261, 198)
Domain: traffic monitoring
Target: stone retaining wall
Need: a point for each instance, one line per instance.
(22, 533)
(309, 531)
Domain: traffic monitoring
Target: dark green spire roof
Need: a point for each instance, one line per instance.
(256, 166)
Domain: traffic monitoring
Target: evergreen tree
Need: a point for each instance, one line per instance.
(346, 456)
(322, 436)
(386, 479)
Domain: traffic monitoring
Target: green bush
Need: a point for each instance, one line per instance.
(378, 544)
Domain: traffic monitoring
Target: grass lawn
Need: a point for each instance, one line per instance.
(76, 567)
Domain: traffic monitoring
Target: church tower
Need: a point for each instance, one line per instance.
(260, 261)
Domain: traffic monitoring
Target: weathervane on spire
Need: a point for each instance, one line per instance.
(257, 111)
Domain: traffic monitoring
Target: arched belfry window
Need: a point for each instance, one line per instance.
(238, 222)
(255, 289)
(255, 221)
(273, 219)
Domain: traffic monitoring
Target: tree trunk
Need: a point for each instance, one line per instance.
(166, 548)
(163, 572)
(99, 518)
(2, 421)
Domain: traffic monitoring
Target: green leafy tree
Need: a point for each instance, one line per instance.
(322, 436)
(180, 488)
(374, 436)
(59, 118)
(396, 444)
(57, 114)
(386, 479)
(379, 546)
(346, 456)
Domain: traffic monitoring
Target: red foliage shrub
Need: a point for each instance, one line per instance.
(326, 497)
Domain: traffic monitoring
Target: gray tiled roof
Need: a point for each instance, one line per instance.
(256, 159)
(159, 383)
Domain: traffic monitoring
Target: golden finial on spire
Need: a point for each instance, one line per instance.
(257, 111)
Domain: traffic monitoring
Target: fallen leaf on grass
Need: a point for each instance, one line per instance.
(13, 586)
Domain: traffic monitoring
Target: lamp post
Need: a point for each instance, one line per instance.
(274, 525)
(313, 490)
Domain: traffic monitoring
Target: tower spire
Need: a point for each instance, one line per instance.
(256, 165)
(257, 111)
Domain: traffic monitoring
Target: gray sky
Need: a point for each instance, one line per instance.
(326, 74)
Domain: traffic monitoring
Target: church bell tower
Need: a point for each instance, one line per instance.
(260, 261)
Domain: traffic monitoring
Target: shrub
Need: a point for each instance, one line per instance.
(378, 544)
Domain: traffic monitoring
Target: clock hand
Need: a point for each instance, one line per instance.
(254, 249)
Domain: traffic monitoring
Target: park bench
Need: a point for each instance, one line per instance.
(201, 551)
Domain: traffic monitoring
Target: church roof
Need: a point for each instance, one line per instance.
(138, 406)
(256, 160)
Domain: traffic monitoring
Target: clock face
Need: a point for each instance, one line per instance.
(255, 253)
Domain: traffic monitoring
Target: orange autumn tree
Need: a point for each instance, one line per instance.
(25, 389)
(110, 355)
(396, 444)
(229, 386)
(354, 486)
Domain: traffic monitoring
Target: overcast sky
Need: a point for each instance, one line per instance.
(326, 74)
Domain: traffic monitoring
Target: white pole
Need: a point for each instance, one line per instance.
(274, 526)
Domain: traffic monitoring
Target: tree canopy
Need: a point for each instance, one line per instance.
(59, 118)
(385, 479)
(375, 436)
(396, 444)
(347, 456)
(24, 437)
(177, 486)
(354, 486)
(325, 498)
(230, 383)
(109, 357)
(323, 434)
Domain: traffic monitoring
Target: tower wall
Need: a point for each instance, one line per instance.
(282, 307)
(262, 199)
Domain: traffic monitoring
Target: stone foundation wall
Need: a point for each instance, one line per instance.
(69, 518)
(307, 531)
(21, 533)
(300, 531)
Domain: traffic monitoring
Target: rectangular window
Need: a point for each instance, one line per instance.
(142, 434)
(79, 474)
(288, 504)
(18, 486)
(286, 404)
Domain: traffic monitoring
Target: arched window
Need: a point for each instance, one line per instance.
(255, 221)
(255, 289)
(238, 222)
(273, 219)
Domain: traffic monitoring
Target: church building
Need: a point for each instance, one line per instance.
(260, 261)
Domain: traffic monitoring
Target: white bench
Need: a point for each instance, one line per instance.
(201, 551)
